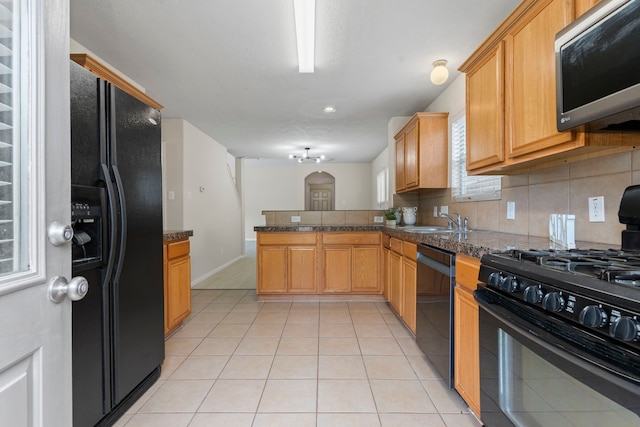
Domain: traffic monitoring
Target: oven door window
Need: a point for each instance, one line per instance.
(535, 392)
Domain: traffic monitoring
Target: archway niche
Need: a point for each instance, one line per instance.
(320, 192)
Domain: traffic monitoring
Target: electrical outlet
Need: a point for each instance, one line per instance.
(378, 219)
(444, 209)
(172, 195)
(295, 218)
(596, 209)
(511, 210)
(435, 211)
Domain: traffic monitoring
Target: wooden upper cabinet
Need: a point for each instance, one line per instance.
(411, 155)
(511, 96)
(530, 79)
(400, 184)
(485, 110)
(422, 153)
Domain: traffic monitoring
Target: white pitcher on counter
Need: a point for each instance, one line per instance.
(409, 215)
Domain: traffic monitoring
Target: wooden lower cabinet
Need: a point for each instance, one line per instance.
(386, 282)
(336, 268)
(402, 276)
(395, 282)
(286, 262)
(466, 332)
(409, 278)
(177, 283)
(311, 263)
(351, 262)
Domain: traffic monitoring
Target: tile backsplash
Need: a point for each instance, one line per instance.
(360, 217)
(560, 189)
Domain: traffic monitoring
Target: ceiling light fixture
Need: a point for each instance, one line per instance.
(306, 157)
(439, 74)
(305, 15)
(329, 109)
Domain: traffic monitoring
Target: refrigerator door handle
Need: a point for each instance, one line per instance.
(112, 223)
(123, 221)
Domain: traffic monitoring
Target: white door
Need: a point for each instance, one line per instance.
(35, 333)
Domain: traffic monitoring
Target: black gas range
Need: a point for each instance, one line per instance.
(596, 289)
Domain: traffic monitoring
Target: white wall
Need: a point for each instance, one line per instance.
(210, 202)
(279, 185)
(172, 163)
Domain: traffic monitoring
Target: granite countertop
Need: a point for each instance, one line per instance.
(472, 243)
(170, 235)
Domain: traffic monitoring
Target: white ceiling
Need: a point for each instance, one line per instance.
(229, 67)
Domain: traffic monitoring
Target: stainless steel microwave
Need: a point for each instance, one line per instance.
(598, 69)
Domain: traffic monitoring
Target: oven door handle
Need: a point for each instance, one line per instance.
(565, 352)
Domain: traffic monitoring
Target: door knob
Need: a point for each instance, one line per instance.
(59, 233)
(59, 287)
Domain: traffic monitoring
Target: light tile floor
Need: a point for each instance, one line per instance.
(241, 362)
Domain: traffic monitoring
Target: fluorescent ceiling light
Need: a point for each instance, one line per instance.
(305, 14)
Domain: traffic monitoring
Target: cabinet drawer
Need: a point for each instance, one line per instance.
(295, 238)
(351, 238)
(396, 245)
(410, 250)
(467, 269)
(177, 249)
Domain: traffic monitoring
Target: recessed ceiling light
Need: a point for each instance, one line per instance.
(329, 109)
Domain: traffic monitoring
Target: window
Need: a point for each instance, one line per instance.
(382, 186)
(466, 188)
(13, 151)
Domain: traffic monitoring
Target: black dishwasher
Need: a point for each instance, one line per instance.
(434, 308)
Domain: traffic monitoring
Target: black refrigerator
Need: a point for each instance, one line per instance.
(116, 204)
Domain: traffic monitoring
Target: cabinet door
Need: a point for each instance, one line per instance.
(272, 269)
(485, 111)
(336, 268)
(466, 348)
(395, 278)
(302, 269)
(530, 79)
(365, 269)
(409, 276)
(178, 291)
(386, 263)
(411, 156)
(400, 184)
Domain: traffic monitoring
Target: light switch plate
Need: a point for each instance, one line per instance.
(444, 209)
(435, 211)
(596, 209)
(295, 218)
(378, 219)
(511, 210)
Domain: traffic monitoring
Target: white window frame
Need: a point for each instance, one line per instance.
(466, 188)
(382, 188)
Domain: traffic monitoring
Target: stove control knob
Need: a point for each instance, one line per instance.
(533, 294)
(495, 278)
(553, 301)
(625, 328)
(509, 284)
(593, 316)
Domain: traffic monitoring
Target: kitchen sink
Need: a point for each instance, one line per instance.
(428, 229)
(433, 229)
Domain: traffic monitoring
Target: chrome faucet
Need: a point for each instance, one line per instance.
(452, 220)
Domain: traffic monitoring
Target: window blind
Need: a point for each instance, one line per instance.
(468, 188)
(9, 155)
